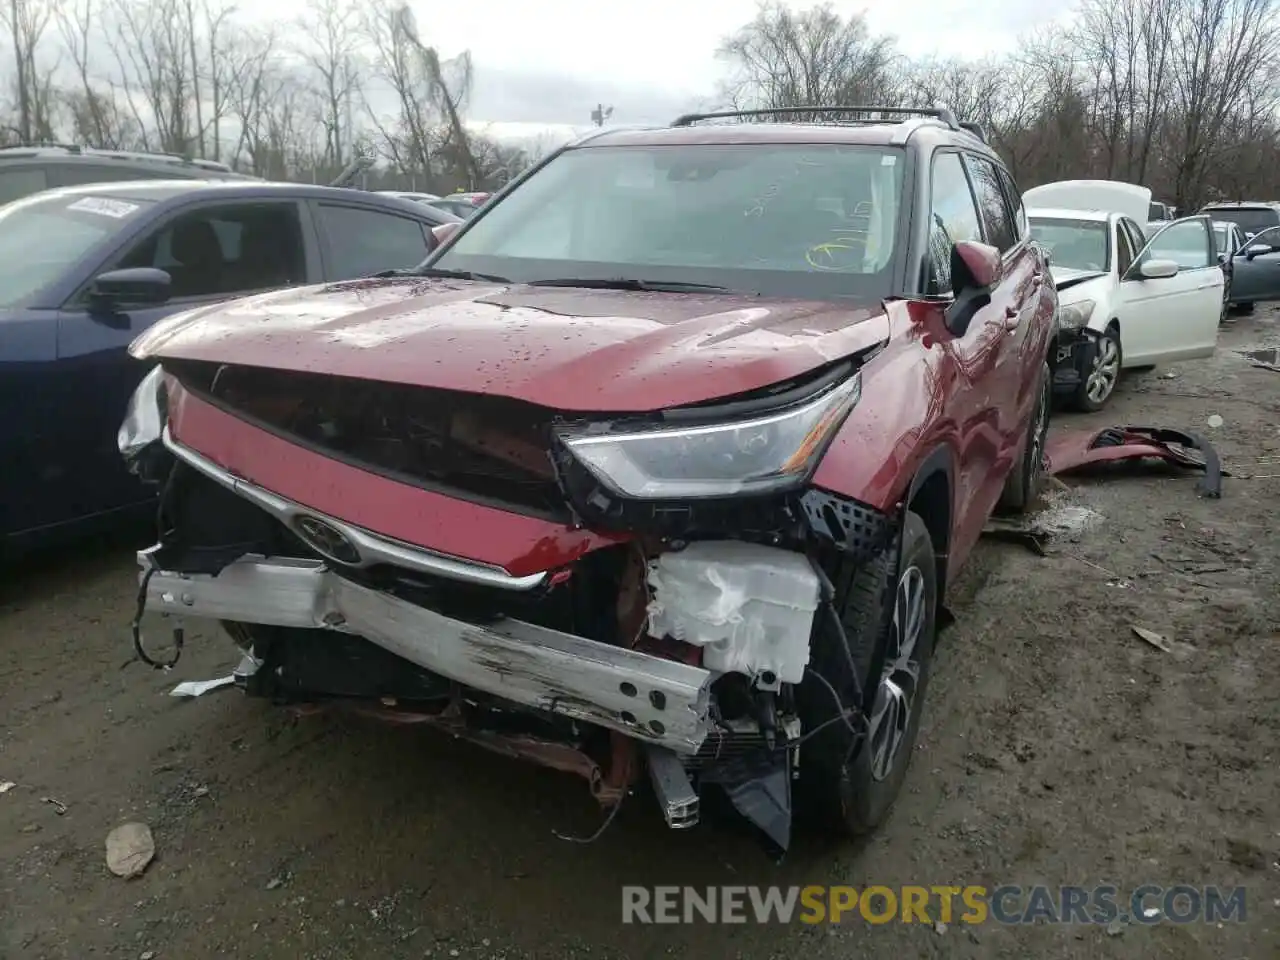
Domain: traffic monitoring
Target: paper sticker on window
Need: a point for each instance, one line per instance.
(104, 207)
(888, 160)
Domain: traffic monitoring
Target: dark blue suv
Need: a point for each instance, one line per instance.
(84, 270)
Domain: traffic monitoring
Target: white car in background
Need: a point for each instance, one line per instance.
(1125, 302)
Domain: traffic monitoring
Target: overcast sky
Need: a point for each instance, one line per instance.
(546, 64)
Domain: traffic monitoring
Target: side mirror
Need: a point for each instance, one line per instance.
(443, 232)
(133, 287)
(1158, 269)
(1256, 250)
(975, 269)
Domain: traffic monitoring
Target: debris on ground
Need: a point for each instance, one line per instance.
(196, 688)
(1036, 530)
(1268, 359)
(130, 848)
(58, 806)
(1072, 450)
(1153, 638)
(7, 786)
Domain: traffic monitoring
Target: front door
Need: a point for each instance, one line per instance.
(1163, 319)
(1256, 269)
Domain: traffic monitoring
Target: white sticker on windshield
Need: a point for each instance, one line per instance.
(888, 160)
(104, 207)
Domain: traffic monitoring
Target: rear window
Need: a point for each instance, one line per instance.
(1251, 219)
(41, 237)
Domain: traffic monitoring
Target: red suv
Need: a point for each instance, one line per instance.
(662, 461)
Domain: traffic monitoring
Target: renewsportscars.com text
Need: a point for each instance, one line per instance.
(973, 904)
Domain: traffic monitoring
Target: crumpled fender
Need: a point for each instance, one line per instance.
(1072, 450)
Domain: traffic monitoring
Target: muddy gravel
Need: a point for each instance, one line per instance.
(1058, 748)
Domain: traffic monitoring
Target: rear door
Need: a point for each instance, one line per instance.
(1256, 269)
(213, 251)
(1173, 318)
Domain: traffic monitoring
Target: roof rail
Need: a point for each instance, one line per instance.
(975, 128)
(938, 113)
(80, 150)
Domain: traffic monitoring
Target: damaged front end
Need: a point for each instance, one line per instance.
(678, 572)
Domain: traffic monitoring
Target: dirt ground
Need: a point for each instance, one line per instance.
(1057, 748)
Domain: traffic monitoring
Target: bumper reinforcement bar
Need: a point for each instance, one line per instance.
(660, 701)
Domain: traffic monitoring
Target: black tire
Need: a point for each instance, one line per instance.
(1103, 355)
(1023, 482)
(1245, 307)
(848, 783)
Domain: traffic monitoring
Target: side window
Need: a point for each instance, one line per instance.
(953, 217)
(1124, 248)
(1185, 243)
(991, 201)
(1021, 226)
(226, 250)
(365, 242)
(16, 184)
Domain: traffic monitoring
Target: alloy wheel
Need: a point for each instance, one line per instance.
(1105, 370)
(900, 680)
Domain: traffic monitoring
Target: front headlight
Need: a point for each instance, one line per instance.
(144, 418)
(767, 453)
(1075, 315)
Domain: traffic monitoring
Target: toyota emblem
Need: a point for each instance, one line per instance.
(327, 540)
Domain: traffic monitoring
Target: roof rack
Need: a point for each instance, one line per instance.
(975, 128)
(938, 113)
(79, 150)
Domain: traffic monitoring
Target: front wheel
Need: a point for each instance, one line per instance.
(1100, 372)
(851, 781)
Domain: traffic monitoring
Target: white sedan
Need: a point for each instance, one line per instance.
(1125, 302)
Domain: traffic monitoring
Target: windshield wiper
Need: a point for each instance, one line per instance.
(629, 283)
(437, 273)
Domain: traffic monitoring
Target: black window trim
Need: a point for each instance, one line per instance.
(77, 300)
(326, 252)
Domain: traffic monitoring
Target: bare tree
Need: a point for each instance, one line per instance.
(332, 52)
(784, 58)
(26, 21)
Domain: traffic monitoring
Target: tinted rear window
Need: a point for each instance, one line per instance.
(1250, 219)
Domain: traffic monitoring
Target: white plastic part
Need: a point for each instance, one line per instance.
(749, 607)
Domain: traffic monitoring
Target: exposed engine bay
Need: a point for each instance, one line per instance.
(683, 648)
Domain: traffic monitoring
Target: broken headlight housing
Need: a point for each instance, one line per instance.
(758, 454)
(1073, 316)
(144, 417)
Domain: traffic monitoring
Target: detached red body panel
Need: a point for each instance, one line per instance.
(521, 545)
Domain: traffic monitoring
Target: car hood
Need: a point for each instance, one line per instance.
(567, 349)
(1067, 277)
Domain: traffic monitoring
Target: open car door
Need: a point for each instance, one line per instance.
(1170, 298)
(1256, 269)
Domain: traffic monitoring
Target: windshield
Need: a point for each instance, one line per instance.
(40, 237)
(1221, 238)
(1250, 219)
(777, 219)
(1075, 244)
